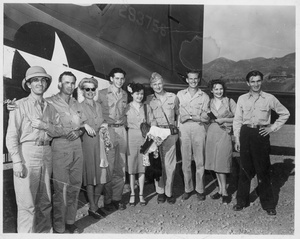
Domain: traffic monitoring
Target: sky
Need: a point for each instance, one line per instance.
(239, 32)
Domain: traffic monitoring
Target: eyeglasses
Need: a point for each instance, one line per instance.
(88, 89)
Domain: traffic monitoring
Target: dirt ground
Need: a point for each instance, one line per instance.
(209, 217)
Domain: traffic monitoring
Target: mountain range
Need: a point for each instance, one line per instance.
(236, 70)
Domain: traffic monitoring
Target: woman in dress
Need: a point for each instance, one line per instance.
(135, 116)
(94, 176)
(218, 151)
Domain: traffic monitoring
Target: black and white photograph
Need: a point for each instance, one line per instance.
(150, 119)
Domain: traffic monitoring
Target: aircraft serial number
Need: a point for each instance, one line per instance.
(141, 19)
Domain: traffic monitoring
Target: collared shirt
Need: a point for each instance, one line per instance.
(196, 105)
(19, 127)
(71, 115)
(257, 111)
(136, 117)
(169, 106)
(113, 105)
(226, 110)
(93, 113)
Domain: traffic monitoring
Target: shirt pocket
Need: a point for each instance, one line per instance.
(247, 112)
(263, 113)
(197, 108)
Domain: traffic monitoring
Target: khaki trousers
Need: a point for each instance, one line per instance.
(167, 152)
(67, 179)
(116, 162)
(33, 194)
(192, 137)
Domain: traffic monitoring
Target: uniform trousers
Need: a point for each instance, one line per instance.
(33, 194)
(192, 138)
(116, 162)
(255, 159)
(167, 151)
(67, 179)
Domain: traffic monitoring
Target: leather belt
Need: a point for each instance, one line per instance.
(38, 143)
(255, 126)
(189, 120)
(115, 125)
(164, 126)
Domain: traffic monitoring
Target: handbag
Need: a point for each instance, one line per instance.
(145, 127)
(174, 130)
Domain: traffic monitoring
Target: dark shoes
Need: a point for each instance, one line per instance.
(226, 199)
(73, 229)
(109, 207)
(161, 198)
(201, 196)
(216, 196)
(271, 212)
(114, 205)
(171, 200)
(118, 205)
(186, 196)
(238, 207)
(95, 215)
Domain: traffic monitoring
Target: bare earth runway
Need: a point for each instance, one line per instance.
(193, 217)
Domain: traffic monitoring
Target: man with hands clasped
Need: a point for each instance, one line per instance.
(251, 126)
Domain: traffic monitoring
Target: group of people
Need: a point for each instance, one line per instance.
(95, 142)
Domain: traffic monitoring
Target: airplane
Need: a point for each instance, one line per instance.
(91, 39)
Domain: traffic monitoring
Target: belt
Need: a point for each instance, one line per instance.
(115, 125)
(189, 121)
(164, 126)
(255, 126)
(38, 143)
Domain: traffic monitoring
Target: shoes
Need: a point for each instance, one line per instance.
(201, 196)
(142, 201)
(103, 214)
(216, 196)
(118, 205)
(238, 207)
(271, 212)
(95, 214)
(109, 207)
(132, 200)
(171, 200)
(226, 199)
(73, 229)
(161, 198)
(186, 196)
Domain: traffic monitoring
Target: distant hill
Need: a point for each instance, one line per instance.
(279, 70)
(228, 69)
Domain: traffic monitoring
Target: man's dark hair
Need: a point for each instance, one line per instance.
(211, 86)
(254, 73)
(66, 73)
(192, 72)
(116, 70)
(135, 87)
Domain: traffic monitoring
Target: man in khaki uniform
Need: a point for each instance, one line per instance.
(113, 101)
(164, 104)
(193, 110)
(32, 124)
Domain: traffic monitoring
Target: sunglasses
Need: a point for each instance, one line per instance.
(88, 89)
